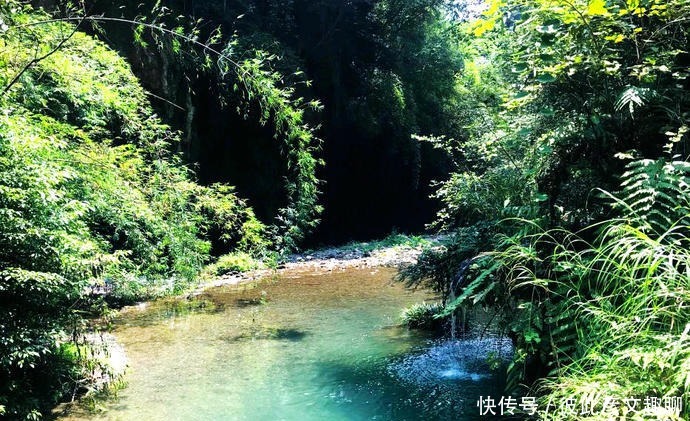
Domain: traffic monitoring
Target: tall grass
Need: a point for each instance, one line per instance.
(601, 316)
(625, 299)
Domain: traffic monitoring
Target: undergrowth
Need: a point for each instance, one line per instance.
(606, 318)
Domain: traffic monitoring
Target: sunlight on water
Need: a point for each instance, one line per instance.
(303, 347)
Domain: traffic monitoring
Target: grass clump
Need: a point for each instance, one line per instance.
(397, 240)
(423, 316)
(392, 241)
(233, 263)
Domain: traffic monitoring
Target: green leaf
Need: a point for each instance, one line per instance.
(546, 78)
(541, 197)
(520, 67)
(531, 336)
(597, 8)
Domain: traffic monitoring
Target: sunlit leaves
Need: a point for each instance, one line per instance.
(597, 7)
(483, 26)
(595, 29)
(633, 97)
(90, 198)
(598, 76)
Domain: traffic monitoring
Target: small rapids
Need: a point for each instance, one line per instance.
(459, 360)
(448, 377)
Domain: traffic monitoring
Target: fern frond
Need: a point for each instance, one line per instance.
(653, 193)
(632, 97)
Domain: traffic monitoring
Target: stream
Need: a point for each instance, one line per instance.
(303, 346)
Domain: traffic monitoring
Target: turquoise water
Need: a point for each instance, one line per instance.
(302, 347)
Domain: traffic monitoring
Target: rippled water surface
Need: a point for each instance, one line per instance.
(303, 347)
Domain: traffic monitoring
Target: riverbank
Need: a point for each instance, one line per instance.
(394, 251)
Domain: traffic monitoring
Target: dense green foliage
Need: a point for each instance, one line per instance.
(95, 201)
(383, 70)
(91, 198)
(244, 84)
(556, 132)
(565, 98)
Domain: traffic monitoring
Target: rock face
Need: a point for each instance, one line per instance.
(373, 103)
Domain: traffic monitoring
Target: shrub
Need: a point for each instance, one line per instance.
(233, 263)
(602, 318)
(422, 316)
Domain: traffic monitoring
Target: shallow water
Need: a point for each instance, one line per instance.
(303, 347)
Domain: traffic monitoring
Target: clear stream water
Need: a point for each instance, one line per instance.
(302, 347)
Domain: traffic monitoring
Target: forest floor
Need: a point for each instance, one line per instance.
(394, 251)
